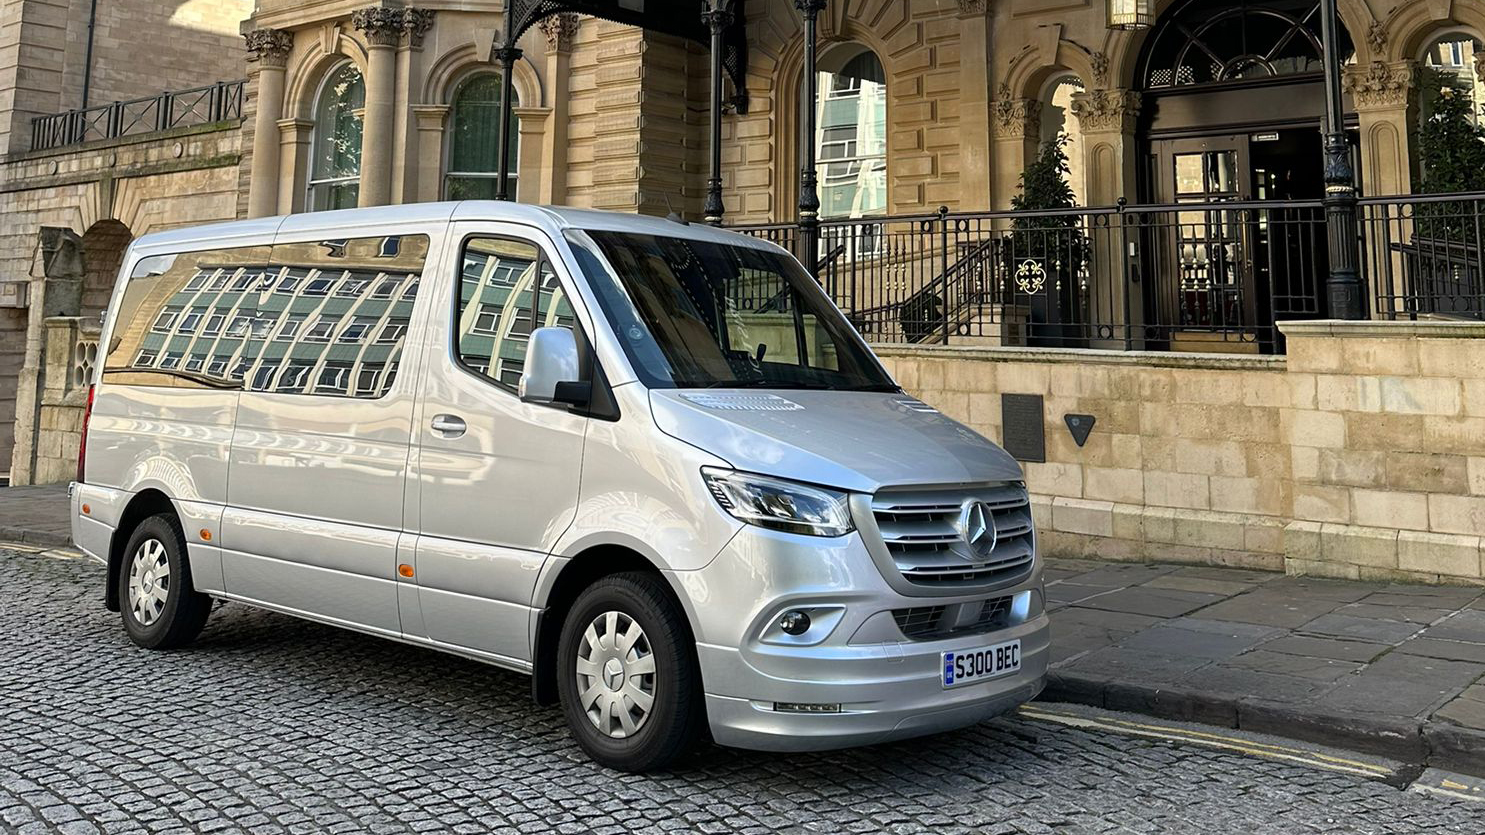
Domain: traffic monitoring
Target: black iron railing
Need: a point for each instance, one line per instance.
(198, 106)
(1199, 276)
(1424, 255)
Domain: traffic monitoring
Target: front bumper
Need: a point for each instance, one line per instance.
(887, 687)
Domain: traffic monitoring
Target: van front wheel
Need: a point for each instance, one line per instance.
(627, 676)
(161, 609)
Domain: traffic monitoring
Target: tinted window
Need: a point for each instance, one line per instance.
(506, 289)
(168, 330)
(331, 316)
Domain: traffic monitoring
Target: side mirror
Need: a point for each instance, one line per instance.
(551, 374)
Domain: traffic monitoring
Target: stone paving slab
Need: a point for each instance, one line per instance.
(37, 515)
(1381, 667)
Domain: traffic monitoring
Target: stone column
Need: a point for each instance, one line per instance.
(1017, 130)
(1382, 94)
(430, 120)
(560, 30)
(415, 24)
(974, 105)
(293, 171)
(268, 51)
(383, 30)
(1106, 119)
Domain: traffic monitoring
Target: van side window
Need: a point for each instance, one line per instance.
(506, 290)
(333, 319)
(169, 327)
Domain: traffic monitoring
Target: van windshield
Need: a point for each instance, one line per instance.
(697, 314)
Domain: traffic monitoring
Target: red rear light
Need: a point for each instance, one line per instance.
(82, 446)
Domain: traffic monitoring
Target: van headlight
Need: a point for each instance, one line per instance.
(779, 504)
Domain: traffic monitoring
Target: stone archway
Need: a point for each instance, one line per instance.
(103, 247)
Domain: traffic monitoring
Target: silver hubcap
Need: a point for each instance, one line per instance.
(149, 581)
(616, 675)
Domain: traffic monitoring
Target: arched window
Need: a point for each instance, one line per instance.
(851, 133)
(1058, 120)
(335, 161)
(474, 139)
(1215, 41)
(1452, 57)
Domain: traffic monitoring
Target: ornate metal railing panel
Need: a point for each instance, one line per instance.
(218, 102)
(1424, 254)
(1203, 276)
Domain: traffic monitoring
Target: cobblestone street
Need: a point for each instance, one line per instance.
(270, 724)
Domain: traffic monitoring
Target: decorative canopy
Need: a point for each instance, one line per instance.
(681, 18)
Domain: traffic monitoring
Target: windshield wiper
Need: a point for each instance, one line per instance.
(888, 388)
(758, 384)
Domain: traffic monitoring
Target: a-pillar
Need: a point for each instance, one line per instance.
(1106, 119)
(383, 29)
(1382, 95)
(974, 105)
(561, 30)
(268, 51)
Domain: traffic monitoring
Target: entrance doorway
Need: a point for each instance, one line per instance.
(1233, 99)
(1231, 272)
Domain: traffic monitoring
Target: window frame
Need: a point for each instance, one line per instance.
(543, 256)
(513, 175)
(311, 183)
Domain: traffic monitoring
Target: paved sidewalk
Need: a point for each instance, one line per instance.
(35, 515)
(1387, 668)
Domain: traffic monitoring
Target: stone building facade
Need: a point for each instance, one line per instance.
(923, 104)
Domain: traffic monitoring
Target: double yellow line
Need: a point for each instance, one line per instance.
(1171, 733)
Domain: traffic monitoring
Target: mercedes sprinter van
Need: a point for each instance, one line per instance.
(648, 463)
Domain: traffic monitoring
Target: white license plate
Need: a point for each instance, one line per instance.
(968, 666)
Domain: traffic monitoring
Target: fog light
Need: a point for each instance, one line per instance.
(798, 707)
(794, 622)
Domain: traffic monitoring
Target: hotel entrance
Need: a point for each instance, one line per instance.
(1230, 126)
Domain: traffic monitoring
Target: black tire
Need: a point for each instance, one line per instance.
(184, 612)
(677, 717)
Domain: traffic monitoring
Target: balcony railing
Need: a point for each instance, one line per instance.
(181, 108)
(1214, 276)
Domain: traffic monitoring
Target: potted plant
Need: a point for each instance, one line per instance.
(1444, 258)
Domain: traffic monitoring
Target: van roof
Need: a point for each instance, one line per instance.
(345, 222)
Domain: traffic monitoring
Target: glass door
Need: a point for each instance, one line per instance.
(1205, 287)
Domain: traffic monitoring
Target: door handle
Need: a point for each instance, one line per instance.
(450, 426)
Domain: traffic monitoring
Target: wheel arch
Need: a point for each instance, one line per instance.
(146, 503)
(580, 571)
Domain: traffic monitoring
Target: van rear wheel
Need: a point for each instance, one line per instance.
(627, 676)
(161, 608)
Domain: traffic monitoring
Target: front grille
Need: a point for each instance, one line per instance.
(928, 623)
(921, 530)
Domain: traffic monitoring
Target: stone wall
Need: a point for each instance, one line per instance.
(1361, 456)
(103, 193)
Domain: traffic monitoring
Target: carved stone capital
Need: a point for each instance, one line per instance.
(1017, 117)
(269, 46)
(1380, 86)
(973, 8)
(416, 23)
(560, 30)
(383, 27)
(1106, 110)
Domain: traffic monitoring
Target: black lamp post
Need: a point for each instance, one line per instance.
(717, 17)
(507, 54)
(809, 197)
(1343, 284)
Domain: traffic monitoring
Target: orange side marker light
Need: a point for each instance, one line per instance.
(87, 509)
(205, 535)
(405, 570)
